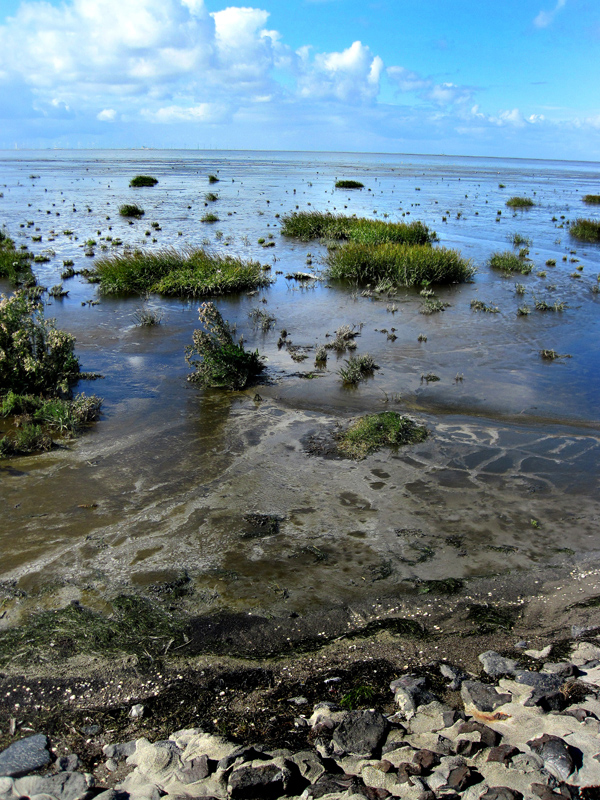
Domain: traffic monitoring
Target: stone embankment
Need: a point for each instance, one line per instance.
(517, 733)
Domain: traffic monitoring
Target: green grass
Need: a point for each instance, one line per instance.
(358, 368)
(404, 264)
(143, 180)
(131, 210)
(213, 179)
(591, 199)
(588, 230)
(209, 218)
(374, 431)
(192, 272)
(518, 239)
(15, 265)
(509, 263)
(307, 225)
(210, 197)
(479, 305)
(346, 184)
(520, 202)
(220, 362)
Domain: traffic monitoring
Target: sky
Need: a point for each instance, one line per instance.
(516, 78)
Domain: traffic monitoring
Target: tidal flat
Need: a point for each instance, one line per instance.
(160, 498)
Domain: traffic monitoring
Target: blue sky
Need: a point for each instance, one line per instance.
(517, 78)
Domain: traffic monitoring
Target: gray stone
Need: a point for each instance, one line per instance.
(119, 751)
(432, 717)
(361, 732)
(501, 793)
(309, 764)
(541, 682)
(111, 765)
(487, 736)
(136, 711)
(410, 692)
(298, 701)
(481, 697)
(195, 770)
(262, 780)
(454, 674)
(64, 785)
(68, 763)
(562, 668)
(495, 665)
(24, 756)
(555, 754)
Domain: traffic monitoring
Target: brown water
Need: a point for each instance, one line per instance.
(506, 482)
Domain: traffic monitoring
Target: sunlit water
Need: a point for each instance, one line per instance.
(169, 471)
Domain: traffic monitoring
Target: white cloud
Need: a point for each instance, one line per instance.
(350, 76)
(203, 112)
(107, 115)
(545, 18)
(442, 94)
(406, 80)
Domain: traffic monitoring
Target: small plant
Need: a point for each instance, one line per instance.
(421, 337)
(131, 210)
(591, 199)
(308, 225)
(321, 354)
(551, 262)
(523, 311)
(374, 431)
(588, 230)
(517, 240)
(509, 263)
(552, 355)
(430, 377)
(520, 202)
(357, 369)
(147, 317)
(432, 306)
(15, 265)
(143, 180)
(344, 339)
(349, 184)
(209, 217)
(479, 305)
(357, 697)
(213, 179)
(58, 291)
(543, 305)
(520, 289)
(261, 319)
(218, 360)
(211, 197)
(502, 186)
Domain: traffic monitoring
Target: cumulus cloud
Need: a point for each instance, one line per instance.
(351, 75)
(107, 115)
(545, 18)
(441, 94)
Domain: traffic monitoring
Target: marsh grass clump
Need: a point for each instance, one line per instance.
(479, 305)
(520, 202)
(344, 339)
(544, 305)
(211, 197)
(552, 355)
(218, 360)
(587, 230)
(401, 264)
(131, 210)
(358, 368)
(307, 225)
(15, 265)
(509, 263)
(143, 180)
(147, 317)
(519, 240)
(591, 199)
(321, 354)
(432, 305)
(374, 431)
(58, 291)
(191, 272)
(209, 217)
(349, 184)
(213, 179)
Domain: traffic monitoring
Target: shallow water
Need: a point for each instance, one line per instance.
(169, 471)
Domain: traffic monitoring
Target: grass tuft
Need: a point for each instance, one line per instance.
(131, 210)
(510, 263)
(143, 180)
(348, 184)
(358, 368)
(520, 202)
(591, 199)
(588, 230)
(307, 225)
(374, 431)
(192, 272)
(15, 265)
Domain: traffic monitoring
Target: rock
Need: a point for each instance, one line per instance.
(119, 751)
(240, 755)
(502, 753)
(136, 711)
(214, 747)
(453, 774)
(501, 793)
(562, 668)
(539, 654)
(68, 763)
(487, 736)
(263, 780)
(298, 701)
(495, 665)
(454, 674)
(432, 717)
(361, 732)
(309, 765)
(410, 692)
(24, 756)
(584, 652)
(555, 754)
(482, 700)
(138, 787)
(427, 759)
(195, 770)
(63, 785)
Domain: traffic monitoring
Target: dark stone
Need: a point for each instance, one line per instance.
(119, 751)
(195, 770)
(264, 781)
(495, 665)
(67, 763)
(489, 737)
(555, 753)
(24, 756)
(503, 753)
(454, 674)
(544, 792)
(467, 748)
(485, 698)
(90, 730)
(406, 771)
(413, 691)
(501, 793)
(241, 755)
(562, 668)
(460, 778)
(427, 759)
(361, 732)
(579, 713)
(541, 681)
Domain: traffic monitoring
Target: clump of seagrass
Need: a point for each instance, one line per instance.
(588, 230)
(349, 184)
(509, 263)
(307, 225)
(344, 339)
(143, 180)
(218, 360)
(131, 210)
(591, 199)
(374, 431)
(520, 202)
(357, 369)
(15, 264)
